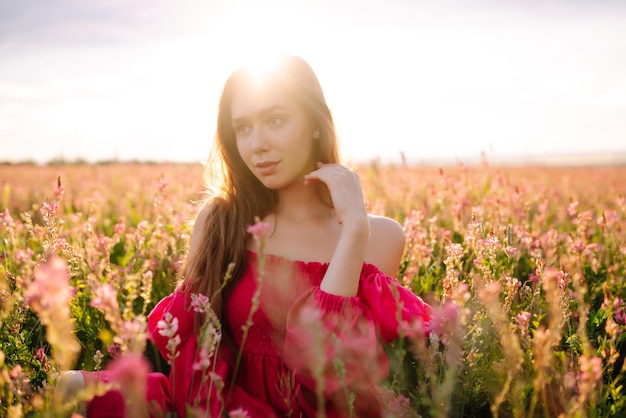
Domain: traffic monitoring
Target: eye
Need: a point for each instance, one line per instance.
(275, 121)
(241, 129)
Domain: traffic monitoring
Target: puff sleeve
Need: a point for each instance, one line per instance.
(337, 340)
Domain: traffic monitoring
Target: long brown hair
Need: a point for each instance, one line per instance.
(241, 196)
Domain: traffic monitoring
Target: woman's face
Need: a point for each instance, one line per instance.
(273, 134)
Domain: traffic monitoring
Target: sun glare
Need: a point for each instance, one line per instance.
(250, 32)
(239, 34)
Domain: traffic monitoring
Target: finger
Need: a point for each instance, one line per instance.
(309, 180)
(317, 175)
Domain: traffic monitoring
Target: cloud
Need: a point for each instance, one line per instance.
(76, 23)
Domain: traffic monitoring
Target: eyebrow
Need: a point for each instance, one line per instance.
(263, 112)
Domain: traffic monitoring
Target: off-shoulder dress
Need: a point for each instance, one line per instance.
(306, 348)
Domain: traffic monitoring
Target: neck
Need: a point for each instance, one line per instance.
(301, 202)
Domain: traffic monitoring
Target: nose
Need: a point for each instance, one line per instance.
(259, 141)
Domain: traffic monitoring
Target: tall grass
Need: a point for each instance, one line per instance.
(524, 268)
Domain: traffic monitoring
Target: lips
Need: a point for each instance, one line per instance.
(266, 168)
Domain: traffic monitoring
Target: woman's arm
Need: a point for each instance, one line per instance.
(344, 270)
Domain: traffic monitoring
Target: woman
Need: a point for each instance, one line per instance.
(318, 282)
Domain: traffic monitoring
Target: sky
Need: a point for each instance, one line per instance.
(437, 81)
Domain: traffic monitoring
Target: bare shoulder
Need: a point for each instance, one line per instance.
(386, 244)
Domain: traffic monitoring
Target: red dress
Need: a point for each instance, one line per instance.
(300, 335)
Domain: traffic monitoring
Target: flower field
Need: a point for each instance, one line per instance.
(524, 268)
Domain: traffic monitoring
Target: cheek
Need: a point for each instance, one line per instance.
(241, 148)
(243, 154)
(310, 144)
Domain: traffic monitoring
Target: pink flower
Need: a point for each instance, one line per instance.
(455, 250)
(102, 243)
(204, 359)
(15, 372)
(59, 190)
(399, 407)
(162, 183)
(533, 278)
(113, 350)
(259, 230)
(177, 263)
(168, 326)
(512, 284)
(119, 228)
(590, 369)
(105, 298)
(132, 330)
(50, 289)
(490, 292)
(217, 381)
(43, 359)
(491, 243)
(611, 217)
(413, 330)
(569, 381)
(23, 255)
(130, 372)
(577, 246)
(523, 320)
(572, 209)
(147, 275)
(48, 209)
(444, 318)
(200, 303)
(129, 368)
(6, 219)
(511, 251)
(462, 294)
(40, 354)
(620, 316)
(239, 413)
(171, 346)
(450, 282)
(553, 277)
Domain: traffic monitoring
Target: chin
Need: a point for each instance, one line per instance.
(276, 184)
(272, 185)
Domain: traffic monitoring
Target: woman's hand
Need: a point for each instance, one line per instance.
(346, 193)
(344, 270)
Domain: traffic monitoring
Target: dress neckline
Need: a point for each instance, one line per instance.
(279, 258)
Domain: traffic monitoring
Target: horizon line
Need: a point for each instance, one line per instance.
(600, 158)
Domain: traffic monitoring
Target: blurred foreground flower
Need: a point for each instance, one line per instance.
(49, 296)
(239, 413)
(259, 230)
(130, 372)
